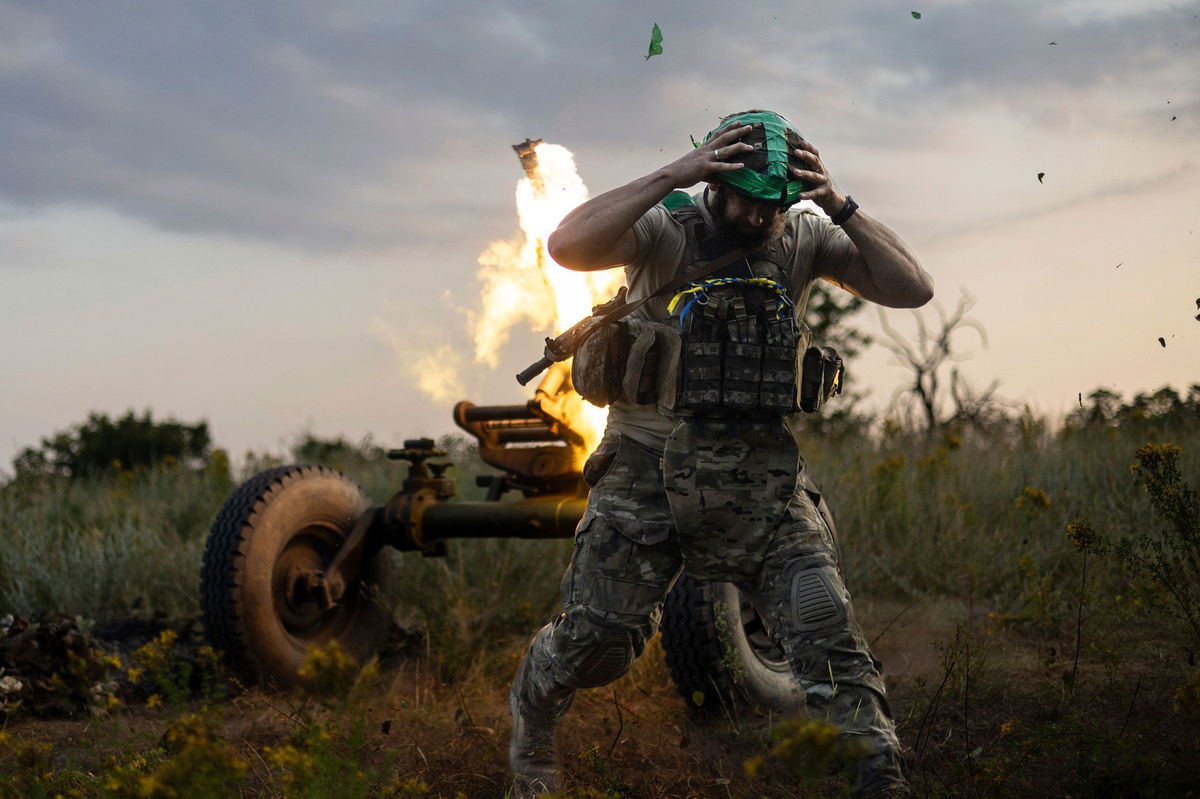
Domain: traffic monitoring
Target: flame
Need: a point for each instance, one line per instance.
(522, 282)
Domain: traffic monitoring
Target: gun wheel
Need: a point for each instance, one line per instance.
(719, 650)
(272, 534)
(720, 654)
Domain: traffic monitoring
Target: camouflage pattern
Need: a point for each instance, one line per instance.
(531, 751)
(827, 651)
(626, 558)
(739, 339)
(627, 491)
(728, 485)
(744, 518)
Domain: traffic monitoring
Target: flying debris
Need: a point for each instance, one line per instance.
(1080, 399)
(1053, 42)
(656, 41)
(1119, 265)
(916, 14)
(1162, 341)
(1172, 119)
(1040, 176)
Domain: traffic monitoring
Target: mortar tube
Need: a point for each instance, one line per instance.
(554, 516)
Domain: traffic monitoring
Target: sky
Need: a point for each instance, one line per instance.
(262, 214)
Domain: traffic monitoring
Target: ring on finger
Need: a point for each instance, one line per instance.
(717, 153)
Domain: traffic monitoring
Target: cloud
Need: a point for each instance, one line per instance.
(373, 124)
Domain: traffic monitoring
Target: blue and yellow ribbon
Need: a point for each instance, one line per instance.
(698, 291)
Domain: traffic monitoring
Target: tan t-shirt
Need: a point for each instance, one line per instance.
(810, 246)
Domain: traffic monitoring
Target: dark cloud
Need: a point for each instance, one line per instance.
(332, 125)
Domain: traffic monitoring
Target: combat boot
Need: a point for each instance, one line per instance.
(531, 752)
(879, 777)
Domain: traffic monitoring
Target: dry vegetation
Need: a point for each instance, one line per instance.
(1028, 651)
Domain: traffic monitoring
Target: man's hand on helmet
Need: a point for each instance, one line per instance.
(710, 159)
(820, 186)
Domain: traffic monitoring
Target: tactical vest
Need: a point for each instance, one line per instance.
(738, 330)
(730, 347)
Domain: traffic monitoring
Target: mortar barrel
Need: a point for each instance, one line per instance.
(534, 517)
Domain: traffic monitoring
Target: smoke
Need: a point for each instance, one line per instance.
(436, 370)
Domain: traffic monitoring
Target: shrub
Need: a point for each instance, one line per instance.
(100, 444)
(1167, 555)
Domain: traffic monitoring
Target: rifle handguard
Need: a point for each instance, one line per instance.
(553, 355)
(533, 370)
(564, 346)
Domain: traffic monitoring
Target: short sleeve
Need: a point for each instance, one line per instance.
(816, 248)
(653, 234)
(833, 250)
(661, 243)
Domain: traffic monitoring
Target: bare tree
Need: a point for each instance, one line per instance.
(927, 357)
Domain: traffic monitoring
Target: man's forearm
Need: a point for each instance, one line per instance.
(599, 233)
(886, 270)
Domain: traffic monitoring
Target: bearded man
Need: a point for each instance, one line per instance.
(704, 472)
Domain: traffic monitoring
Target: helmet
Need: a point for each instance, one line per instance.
(766, 177)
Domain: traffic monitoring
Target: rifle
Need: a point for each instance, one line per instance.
(568, 342)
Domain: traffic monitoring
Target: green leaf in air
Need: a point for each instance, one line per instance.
(916, 14)
(655, 42)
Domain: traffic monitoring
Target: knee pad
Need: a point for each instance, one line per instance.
(599, 652)
(816, 603)
(611, 658)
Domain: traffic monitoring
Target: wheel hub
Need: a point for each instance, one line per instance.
(305, 600)
(766, 649)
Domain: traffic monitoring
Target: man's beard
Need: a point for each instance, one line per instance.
(728, 231)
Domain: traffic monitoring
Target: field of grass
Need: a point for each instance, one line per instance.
(1021, 660)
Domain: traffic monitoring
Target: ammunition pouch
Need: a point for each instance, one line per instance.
(650, 370)
(738, 350)
(598, 370)
(717, 366)
(821, 377)
(634, 359)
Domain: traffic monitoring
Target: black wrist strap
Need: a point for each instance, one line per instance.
(847, 211)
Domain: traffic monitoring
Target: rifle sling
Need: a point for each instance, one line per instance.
(700, 272)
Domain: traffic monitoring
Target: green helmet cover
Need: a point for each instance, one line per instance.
(765, 177)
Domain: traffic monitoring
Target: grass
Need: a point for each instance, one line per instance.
(1056, 670)
(108, 548)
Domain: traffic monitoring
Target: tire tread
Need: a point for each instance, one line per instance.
(692, 647)
(222, 565)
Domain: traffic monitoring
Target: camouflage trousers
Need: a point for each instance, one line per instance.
(628, 554)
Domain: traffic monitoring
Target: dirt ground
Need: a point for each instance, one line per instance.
(1003, 723)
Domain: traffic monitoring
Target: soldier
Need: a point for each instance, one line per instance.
(708, 477)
